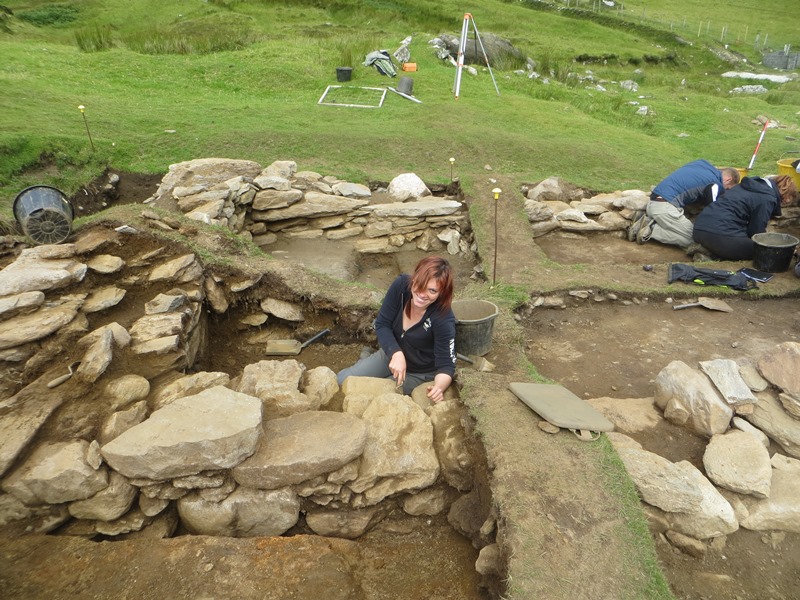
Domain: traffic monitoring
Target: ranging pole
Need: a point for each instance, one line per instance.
(496, 192)
(760, 139)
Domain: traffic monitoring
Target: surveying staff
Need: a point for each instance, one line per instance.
(726, 226)
(664, 220)
(416, 331)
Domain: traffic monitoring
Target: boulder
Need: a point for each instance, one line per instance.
(738, 461)
(244, 513)
(56, 473)
(215, 429)
(302, 446)
(688, 398)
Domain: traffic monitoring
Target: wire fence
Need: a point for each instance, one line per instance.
(741, 37)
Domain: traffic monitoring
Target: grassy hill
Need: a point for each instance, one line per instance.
(166, 81)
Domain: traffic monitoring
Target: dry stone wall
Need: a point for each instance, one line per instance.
(117, 435)
(280, 201)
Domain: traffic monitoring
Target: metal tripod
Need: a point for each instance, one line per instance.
(462, 46)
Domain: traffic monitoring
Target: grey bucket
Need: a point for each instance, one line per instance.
(474, 326)
(44, 214)
(406, 86)
(344, 73)
(772, 252)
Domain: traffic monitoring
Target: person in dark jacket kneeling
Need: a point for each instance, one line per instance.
(725, 227)
(416, 331)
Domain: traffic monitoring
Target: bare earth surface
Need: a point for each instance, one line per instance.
(564, 535)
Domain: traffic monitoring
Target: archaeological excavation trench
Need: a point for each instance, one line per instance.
(143, 428)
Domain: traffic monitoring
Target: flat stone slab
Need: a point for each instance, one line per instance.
(560, 407)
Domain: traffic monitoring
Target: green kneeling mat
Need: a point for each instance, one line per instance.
(557, 405)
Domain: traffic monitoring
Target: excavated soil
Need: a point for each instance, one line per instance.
(596, 349)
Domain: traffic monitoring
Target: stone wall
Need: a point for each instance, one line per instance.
(111, 433)
(280, 201)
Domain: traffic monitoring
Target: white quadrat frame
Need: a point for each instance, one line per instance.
(335, 87)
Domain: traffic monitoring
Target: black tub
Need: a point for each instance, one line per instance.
(773, 251)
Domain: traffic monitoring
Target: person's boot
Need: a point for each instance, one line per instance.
(645, 230)
(636, 224)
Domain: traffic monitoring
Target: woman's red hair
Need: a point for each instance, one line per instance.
(433, 267)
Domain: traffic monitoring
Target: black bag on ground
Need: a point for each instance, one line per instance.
(690, 274)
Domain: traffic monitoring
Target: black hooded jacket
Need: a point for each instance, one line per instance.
(741, 211)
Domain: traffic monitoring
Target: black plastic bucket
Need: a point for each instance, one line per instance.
(344, 73)
(773, 251)
(44, 214)
(406, 86)
(474, 325)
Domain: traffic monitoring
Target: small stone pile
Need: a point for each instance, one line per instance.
(280, 201)
(742, 406)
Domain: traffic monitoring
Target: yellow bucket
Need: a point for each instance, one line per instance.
(785, 168)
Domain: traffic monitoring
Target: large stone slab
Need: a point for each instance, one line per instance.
(108, 504)
(738, 461)
(302, 446)
(418, 208)
(399, 455)
(314, 204)
(22, 416)
(56, 473)
(35, 326)
(276, 383)
(725, 375)
(770, 417)
(781, 510)
(781, 366)
(42, 268)
(215, 429)
(714, 518)
(661, 483)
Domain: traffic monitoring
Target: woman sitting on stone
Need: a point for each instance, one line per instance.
(416, 332)
(725, 227)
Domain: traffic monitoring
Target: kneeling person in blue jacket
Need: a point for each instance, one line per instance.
(696, 183)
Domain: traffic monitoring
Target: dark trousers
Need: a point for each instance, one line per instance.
(726, 247)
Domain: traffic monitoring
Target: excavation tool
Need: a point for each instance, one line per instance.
(291, 347)
(710, 303)
(480, 363)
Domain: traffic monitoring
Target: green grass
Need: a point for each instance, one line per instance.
(249, 90)
(641, 555)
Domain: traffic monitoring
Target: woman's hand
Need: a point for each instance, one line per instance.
(397, 366)
(435, 394)
(440, 384)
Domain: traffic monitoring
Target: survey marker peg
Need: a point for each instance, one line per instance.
(82, 108)
(496, 192)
